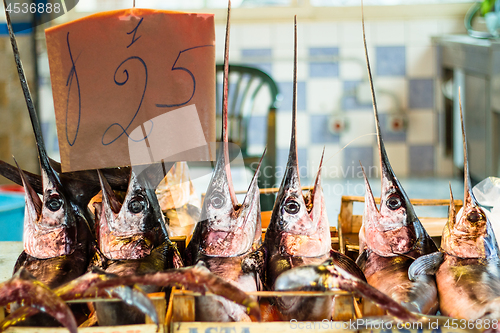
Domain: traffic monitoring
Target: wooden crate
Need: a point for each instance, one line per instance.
(349, 224)
(181, 314)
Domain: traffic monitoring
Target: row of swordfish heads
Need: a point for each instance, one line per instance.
(122, 249)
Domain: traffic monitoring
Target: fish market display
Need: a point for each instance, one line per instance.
(227, 232)
(133, 238)
(179, 201)
(298, 233)
(467, 266)
(392, 236)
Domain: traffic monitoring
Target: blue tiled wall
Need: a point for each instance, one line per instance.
(332, 80)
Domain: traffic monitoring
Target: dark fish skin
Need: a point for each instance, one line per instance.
(467, 267)
(228, 231)
(391, 237)
(298, 234)
(23, 287)
(80, 185)
(328, 277)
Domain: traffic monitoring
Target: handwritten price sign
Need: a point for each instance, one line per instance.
(133, 86)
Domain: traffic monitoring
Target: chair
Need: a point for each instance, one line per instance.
(245, 86)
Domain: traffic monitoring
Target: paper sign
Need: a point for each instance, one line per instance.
(116, 77)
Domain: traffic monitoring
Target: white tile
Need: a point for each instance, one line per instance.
(451, 26)
(283, 35)
(284, 129)
(421, 127)
(391, 93)
(351, 35)
(283, 67)
(419, 32)
(262, 102)
(332, 161)
(353, 64)
(420, 61)
(444, 164)
(322, 34)
(388, 33)
(398, 157)
(360, 125)
(323, 95)
(254, 36)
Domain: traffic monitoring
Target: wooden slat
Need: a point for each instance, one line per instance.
(414, 202)
(183, 308)
(160, 304)
(281, 327)
(343, 309)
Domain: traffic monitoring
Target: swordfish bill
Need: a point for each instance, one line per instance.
(228, 231)
(392, 236)
(298, 233)
(467, 267)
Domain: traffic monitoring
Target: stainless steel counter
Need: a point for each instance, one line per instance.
(473, 65)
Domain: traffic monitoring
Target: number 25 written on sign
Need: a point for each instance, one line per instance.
(123, 130)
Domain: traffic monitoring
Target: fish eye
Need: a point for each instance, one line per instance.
(393, 203)
(217, 200)
(136, 205)
(474, 217)
(54, 204)
(292, 207)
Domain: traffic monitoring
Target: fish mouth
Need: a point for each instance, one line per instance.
(135, 246)
(231, 243)
(302, 245)
(132, 229)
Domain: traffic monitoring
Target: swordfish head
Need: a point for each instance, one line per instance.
(394, 228)
(299, 224)
(468, 233)
(133, 228)
(50, 223)
(227, 229)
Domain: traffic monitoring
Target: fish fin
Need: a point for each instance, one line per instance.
(33, 202)
(347, 264)
(255, 262)
(362, 258)
(425, 265)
